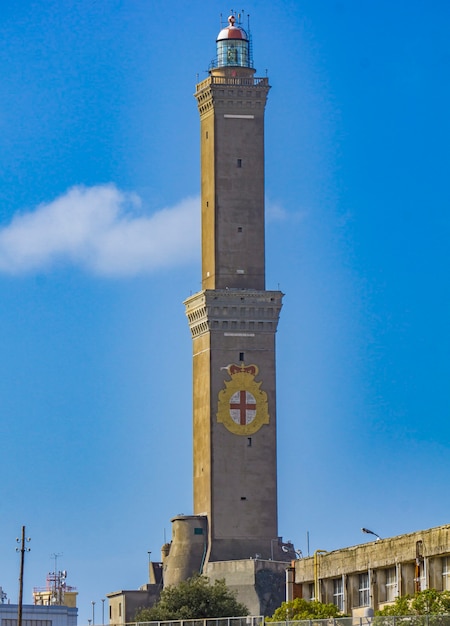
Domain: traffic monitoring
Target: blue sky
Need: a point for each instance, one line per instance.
(99, 246)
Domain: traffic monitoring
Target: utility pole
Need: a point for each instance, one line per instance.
(22, 551)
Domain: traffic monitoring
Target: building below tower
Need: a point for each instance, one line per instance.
(367, 577)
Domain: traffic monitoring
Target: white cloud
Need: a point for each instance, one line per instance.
(274, 211)
(103, 230)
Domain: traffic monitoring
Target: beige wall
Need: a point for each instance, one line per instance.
(392, 567)
(259, 584)
(123, 605)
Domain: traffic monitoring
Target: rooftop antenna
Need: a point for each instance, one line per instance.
(56, 579)
(55, 556)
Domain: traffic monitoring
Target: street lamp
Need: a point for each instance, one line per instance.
(316, 573)
(370, 532)
(93, 612)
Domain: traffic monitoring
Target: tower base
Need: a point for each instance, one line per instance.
(259, 581)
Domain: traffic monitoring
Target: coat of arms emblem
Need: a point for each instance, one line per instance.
(242, 406)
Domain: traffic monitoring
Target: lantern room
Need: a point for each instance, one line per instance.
(233, 46)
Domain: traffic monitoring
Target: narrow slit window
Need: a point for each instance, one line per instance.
(249, 442)
(239, 163)
(241, 357)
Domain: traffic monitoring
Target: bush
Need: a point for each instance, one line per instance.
(194, 598)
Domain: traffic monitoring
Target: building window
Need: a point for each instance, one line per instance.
(363, 590)
(120, 609)
(311, 591)
(446, 573)
(422, 576)
(391, 584)
(338, 593)
(26, 622)
(239, 163)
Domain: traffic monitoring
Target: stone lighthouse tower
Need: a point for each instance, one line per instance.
(233, 321)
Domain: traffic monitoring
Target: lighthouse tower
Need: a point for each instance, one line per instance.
(233, 320)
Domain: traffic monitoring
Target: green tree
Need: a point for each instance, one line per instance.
(194, 598)
(299, 609)
(426, 602)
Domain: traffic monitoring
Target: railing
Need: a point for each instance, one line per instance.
(239, 81)
(249, 620)
(378, 620)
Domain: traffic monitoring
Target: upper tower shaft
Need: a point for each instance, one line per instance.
(231, 103)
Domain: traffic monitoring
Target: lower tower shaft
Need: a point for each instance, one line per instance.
(235, 477)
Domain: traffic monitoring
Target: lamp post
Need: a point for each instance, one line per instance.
(316, 573)
(103, 611)
(93, 612)
(370, 532)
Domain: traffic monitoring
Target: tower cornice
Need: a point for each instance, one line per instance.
(239, 312)
(231, 91)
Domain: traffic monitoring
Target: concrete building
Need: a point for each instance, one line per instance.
(124, 604)
(39, 615)
(364, 578)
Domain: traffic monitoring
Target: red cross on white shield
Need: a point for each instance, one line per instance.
(243, 407)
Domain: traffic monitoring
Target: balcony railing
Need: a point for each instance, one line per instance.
(235, 81)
